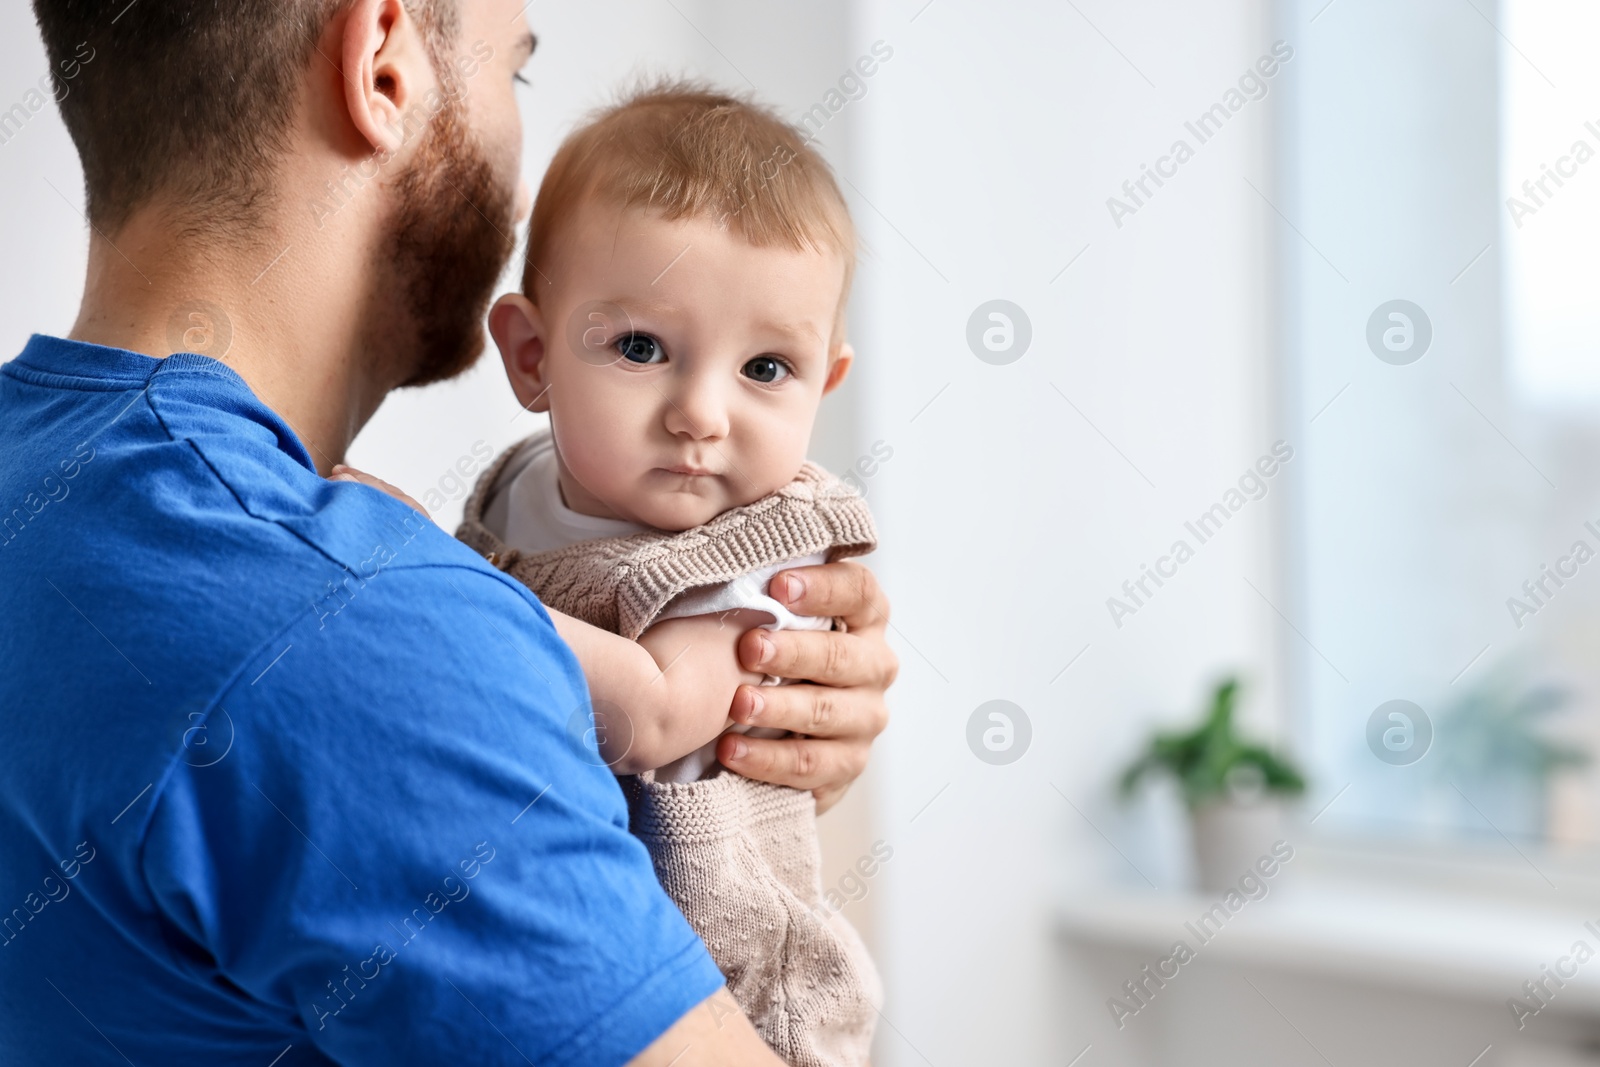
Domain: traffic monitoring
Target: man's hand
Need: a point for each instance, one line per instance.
(840, 713)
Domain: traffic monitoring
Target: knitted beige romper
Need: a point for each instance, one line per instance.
(739, 857)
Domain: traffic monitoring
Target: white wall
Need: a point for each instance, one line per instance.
(42, 233)
(988, 148)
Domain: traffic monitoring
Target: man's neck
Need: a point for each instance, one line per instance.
(262, 307)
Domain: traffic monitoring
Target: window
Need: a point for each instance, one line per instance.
(1442, 334)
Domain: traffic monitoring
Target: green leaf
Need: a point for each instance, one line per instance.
(1202, 760)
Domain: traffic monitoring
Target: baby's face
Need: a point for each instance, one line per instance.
(682, 367)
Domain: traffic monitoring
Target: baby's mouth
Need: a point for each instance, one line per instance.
(690, 471)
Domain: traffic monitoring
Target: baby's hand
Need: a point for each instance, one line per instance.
(685, 705)
(343, 473)
(665, 695)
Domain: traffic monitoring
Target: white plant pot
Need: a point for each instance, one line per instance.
(1229, 837)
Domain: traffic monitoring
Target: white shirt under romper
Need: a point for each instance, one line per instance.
(534, 518)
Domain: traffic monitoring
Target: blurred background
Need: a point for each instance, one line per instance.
(1197, 342)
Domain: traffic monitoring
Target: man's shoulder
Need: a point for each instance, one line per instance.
(192, 532)
(252, 554)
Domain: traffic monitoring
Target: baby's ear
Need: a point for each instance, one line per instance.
(839, 368)
(517, 326)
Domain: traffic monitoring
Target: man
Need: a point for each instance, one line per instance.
(293, 777)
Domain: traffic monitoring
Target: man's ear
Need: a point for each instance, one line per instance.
(840, 368)
(387, 72)
(517, 326)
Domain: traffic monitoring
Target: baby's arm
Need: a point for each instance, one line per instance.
(674, 685)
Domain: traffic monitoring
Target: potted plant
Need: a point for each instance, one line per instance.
(1233, 788)
(1495, 761)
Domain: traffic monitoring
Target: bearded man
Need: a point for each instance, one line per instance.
(292, 776)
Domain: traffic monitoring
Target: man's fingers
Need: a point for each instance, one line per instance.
(839, 716)
(343, 473)
(800, 763)
(814, 710)
(837, 659)
(843, 590)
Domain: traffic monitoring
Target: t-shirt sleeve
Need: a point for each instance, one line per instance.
(395, 833)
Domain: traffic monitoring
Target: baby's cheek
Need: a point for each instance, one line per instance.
(587, 454)
(593, 427)
(781, 452)
(605, 469)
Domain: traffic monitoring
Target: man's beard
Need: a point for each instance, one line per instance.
(449, 240)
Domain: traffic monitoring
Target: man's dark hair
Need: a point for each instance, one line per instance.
(190, 100)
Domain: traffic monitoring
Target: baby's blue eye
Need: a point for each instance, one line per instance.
(640, 348)
(766, 370)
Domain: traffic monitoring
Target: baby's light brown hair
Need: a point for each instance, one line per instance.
(687, 151)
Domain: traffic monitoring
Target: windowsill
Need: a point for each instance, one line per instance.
(1435, 924)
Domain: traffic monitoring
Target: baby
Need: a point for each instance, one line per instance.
(689, 263)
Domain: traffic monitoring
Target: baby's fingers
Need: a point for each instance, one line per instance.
(343, 473)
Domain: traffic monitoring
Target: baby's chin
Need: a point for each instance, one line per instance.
(684, 510)
(681, 511)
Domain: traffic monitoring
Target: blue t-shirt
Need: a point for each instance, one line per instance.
(285, 769)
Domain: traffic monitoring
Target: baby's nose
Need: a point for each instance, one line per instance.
(699, 412)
